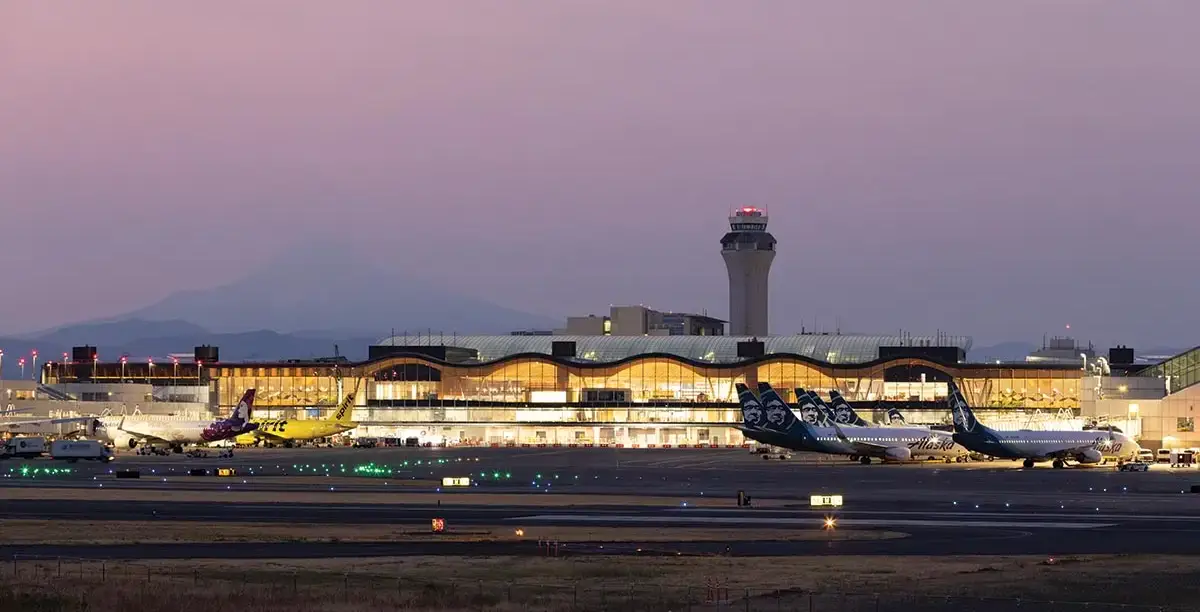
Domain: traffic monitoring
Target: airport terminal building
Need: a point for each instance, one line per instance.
(634, 391)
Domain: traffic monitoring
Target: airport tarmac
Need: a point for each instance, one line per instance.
(946, 509)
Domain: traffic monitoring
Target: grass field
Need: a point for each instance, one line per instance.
(593, 583)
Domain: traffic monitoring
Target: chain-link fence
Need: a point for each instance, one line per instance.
(74, 585)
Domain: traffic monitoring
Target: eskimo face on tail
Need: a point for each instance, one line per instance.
(964, 419)
(842, 415)
(752, 412)
(809, 412)
(775, 411)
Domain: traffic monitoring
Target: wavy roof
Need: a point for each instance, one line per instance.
(827, 348)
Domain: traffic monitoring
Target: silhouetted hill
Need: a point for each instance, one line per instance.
(335, 288)
(139, 343)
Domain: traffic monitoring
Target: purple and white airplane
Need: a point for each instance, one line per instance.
(129, 431)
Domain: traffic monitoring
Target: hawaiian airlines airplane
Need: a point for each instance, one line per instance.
(128, 432)
(1058, 446)
(866, 443)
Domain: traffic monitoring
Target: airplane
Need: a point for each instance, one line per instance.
(128, 432)
(286, 432)
(888, 444)
(1085, 447)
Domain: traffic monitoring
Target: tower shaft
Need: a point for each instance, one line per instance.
(748, 250)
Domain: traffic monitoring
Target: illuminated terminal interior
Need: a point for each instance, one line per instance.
(449, 393)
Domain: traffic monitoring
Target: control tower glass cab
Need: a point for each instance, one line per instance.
(748, 251)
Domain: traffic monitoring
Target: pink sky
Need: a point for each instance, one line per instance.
(988, 168)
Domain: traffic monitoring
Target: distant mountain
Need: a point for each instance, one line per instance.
(333, 287)
(1005, 351)
(140, 340)
(114, 332)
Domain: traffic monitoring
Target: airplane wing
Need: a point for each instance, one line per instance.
(870, 449)
(133, 430)
(42, 422)
(267, 434)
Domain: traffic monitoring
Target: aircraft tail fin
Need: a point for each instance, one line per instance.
(807, 408)
(753, 416)
(843, 411)
(345, 410)
(779, 415)
(964, 418)
(826, 411)
(241, 412)
(895, 417)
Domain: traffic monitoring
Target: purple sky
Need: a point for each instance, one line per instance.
(997, 169)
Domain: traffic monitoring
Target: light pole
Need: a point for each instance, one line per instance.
(1, 368)
(62, 369)
(150, 370)
(21, 362)
(174, 371)
(95, 364)
(123, 361)
(1084, 356)
(35, 370)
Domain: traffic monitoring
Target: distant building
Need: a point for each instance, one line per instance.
(642, 321)
(1063, 350)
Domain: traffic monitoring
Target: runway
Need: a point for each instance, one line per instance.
(987, 508)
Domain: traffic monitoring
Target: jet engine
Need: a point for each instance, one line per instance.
(897, 453)
(1090, 455)
(121, 439)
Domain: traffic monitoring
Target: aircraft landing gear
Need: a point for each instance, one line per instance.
(1028, 463)
(1059, 464)
(864, 460)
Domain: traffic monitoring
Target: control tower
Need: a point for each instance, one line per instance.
(748, 251)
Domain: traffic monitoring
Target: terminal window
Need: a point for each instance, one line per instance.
(1185, 424)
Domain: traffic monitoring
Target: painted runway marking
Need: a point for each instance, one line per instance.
(815, 523)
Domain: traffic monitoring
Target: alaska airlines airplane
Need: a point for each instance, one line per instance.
(1033, 446)
(128, 432)
(866, 443)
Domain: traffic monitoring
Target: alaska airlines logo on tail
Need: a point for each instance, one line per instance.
(808, 412)
(842, 415)
(775, 412)
(751, 410)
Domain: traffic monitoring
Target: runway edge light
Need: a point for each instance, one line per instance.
(821, 501)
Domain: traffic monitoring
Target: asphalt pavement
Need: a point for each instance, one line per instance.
(992, 508)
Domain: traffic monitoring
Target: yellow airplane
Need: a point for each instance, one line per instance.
(283, 431)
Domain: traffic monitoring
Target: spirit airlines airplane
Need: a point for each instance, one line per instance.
(286, 432)
(1032, 446)
(866, 443)
(128, 432)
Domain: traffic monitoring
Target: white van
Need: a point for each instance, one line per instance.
(1145, 455)
(1164, 455)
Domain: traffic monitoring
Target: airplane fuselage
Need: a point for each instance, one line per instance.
(1045, 444)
